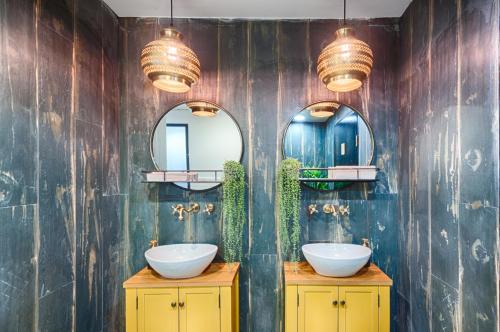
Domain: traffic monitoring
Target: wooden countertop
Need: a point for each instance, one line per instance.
(217, 274)
(304, 274)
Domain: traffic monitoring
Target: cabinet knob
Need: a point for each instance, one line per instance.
(173, 304)
(181, 304)
(342, 303)
(335, 302)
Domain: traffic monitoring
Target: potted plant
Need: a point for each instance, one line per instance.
(233, 210)
(288, 189)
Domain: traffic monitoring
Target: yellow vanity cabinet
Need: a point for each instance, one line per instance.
(359, 309)
(316, 311)
(200, 310)
(157, 309)
(315, 303)
(206, 303)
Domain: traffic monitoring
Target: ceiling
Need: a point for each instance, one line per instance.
(260, 9)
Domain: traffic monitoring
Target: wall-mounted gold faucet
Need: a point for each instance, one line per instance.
(335, 210)
(179, 209)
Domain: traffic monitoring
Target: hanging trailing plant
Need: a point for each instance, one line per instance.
(289, 205)
(233, 207)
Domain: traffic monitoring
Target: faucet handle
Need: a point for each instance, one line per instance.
(344, 210)
(153, 243)
(312, 209)
(178, 209)
(209, 208)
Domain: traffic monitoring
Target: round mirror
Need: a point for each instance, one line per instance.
(328, 134)
(197, 137)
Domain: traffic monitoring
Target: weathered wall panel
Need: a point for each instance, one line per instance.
(56, 228)
(57, 254)
(111, 103)
(17, 84)
(448, 171)
(17, 271)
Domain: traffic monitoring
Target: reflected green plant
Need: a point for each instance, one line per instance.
(317, 174)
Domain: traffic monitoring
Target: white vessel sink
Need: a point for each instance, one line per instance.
(178, 261)
(336, 259)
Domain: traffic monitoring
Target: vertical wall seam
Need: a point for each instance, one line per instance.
(496, 35)
(36, 223)
(126, 249)
(279, 97)
(429, 160)
(104, 184)
(410, 202)
(250, 138)
(73, 144)
(309, 62)
(250, 162)
(459, 163)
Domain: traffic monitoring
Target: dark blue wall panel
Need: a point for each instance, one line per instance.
(448, 166)
(60, 228)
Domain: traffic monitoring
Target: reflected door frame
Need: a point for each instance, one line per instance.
(186, 130)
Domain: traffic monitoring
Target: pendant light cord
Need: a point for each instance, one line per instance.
(172, 13)
(344, 10)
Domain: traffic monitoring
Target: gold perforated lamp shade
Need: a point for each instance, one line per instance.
(169, 63)
(203, 109)
(323, 109)
(345, 63)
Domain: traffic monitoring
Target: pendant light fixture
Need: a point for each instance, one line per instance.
(202, 109)
(323, 109)
(169, 63)
(345, 63)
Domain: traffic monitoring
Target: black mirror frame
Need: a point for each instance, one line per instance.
(370, 129)
(151, 136)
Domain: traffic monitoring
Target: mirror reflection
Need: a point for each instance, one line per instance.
(196, 136)
(328, 134)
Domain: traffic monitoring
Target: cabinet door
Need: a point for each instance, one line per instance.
(157, 310)
(199, 309)
(318, 308)
(358, 309)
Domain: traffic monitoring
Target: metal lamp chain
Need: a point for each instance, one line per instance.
(344, 11)
(171, 13)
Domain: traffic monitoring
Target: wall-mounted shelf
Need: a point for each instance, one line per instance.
(333, 180)
(191, 176)
(341, 174)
